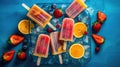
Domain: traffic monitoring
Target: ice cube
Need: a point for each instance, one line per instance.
(38, 29)
(63, 6)
(86, 39)
(86, 47)
(85, 19)
(86, 55)
(55, 20)
(90, 10)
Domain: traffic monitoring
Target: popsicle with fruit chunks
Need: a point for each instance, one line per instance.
(76, 7)
(66, 33)
(57, 45)
(39, 16)
(42, 47)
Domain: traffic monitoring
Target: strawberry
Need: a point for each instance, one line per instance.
(98, 39)
(8, 56)
(101, 17)
(97, 49)
(49, 30)
(57, 13)
(58, 25)
(15, 39)
(21, 55)
(85, 32)
(96, 27)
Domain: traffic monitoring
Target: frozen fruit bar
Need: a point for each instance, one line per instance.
(66, 33)
(42, 46)
(39, 15)
(56, 44)
(76, 8)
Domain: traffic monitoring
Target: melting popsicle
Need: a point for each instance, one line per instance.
(76, 8)
(42, 47)
(57, 45)
(66, 33)
(39, 16)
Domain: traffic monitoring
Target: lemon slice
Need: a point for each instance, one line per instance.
(79, 29)
(25, 27)
(76, 51)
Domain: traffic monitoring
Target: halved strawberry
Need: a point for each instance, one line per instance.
(98, 39)
(58, 13)
(15, 39)
(7, 56)
(101, 17)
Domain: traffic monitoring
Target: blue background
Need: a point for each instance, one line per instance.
(11, 12)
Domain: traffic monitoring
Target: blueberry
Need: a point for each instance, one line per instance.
(25, 42)
(65, 15)
(53, 6)
(24, 47)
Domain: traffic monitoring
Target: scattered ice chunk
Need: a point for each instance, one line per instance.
(74, 39)
(86, 47)
(86, 55)
(55, 20)
(85, 19)
(38, 29)
(63, 6)
(90, 10)
(86, 39)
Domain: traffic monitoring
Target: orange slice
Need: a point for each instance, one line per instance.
(76, 51)
(79, 29)
(25, 27)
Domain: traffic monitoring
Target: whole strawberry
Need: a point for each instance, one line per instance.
(96, 27)
(21, 55)
(58, 13)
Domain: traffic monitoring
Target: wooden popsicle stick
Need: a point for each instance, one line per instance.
(51, 26)
(38, 61)
(64, 45)
(60, 59)
(25, 6)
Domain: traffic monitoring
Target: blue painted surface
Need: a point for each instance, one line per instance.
(11, 12)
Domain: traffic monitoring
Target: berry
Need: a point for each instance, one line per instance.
(24, 47)
(57, 13)
(96, 27)
(53, 6)
(15, 39)
(58, 25)
(8, 56)
(98, 39)
(85, 32)
(101, 17)
(21, 55)
(49, 30)
(97, 49)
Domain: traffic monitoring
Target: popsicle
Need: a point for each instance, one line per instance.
(76, 7)
(57, 45)
(66, 33)
(39, 16)
(42, 47)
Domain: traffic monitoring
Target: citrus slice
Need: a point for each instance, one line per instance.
(79, 29)
(76, 51)
(25, 26)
